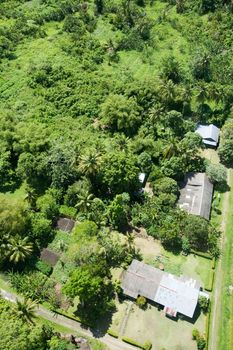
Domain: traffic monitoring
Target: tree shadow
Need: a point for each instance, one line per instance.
(96, 320)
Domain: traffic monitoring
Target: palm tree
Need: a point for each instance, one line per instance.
(130, 242)
(168, 91)
(18, 249)
(30, 197)
(171, 147)
(89, 163)
(25, 310)
(202, 94)
(84, 201)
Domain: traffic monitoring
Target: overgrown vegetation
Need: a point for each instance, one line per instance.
(92, 94)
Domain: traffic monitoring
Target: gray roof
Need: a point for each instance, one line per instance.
(65, 224)
(176, 294)
(196, 195)
(49, 256)
(209, 134)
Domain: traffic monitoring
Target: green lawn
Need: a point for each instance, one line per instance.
(192, 265)
(226, 326)
(152, 325)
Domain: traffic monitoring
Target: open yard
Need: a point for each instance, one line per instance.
(192, 265)
(152, 325)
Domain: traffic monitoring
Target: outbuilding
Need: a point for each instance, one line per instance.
(209, 133)
(196, 195)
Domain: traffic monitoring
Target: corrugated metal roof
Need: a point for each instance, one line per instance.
(209, 133)
(196, 195)
(179, 294)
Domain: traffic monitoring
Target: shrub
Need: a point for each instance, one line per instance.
(44, 268)
(112, 333)
(68, 211)
(213, 264)
(209, 284)
(146, 346)
(132, 342)
(201, 343)
(195, 334)
(203, 303)
(141, 301)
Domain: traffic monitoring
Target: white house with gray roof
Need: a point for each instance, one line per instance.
(209, 133)
(176, 294)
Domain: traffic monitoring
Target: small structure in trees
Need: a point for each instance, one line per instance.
(50, 257)
(209, 133)
(142, 178)
(196, 195)
(65, 224)
(176, 294)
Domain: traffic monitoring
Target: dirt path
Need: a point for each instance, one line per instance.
(216, 297)
(112, 343)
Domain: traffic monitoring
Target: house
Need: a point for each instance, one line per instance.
(176, 294)
(209, 133)
(65, 224)
(196, 195)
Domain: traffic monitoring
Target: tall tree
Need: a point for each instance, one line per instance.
(25, 310)
(19, 249)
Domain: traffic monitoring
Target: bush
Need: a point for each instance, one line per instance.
(209, 284)
(195, 334)
(68, 211)
(201, 343)
(217, 173)
(203, 303)
(44, 268)
(112, 333)
(141, 301)
(74, 318)
(213, 264)
(146, 346)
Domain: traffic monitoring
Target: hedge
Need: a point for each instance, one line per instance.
(207, 328)
(146, 346)
(74, 318)
(213, 265)
(209, 284)
(112, 333)
(201, 254)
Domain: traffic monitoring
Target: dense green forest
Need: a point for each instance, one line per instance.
(91, 95)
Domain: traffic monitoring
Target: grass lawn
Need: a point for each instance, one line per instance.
(192, 265)
(226, 326)
(152, 325)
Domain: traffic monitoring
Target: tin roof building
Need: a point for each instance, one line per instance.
(196, 195)
(209, 133)
(176, 294)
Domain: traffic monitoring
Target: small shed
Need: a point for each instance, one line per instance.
(65, 224)
(142, 178)
(50, 257)
(209, 133)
